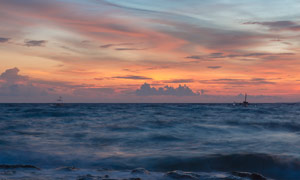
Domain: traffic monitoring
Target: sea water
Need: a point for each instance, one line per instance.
(102, 141)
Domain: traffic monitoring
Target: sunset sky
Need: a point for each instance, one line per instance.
(149, 51)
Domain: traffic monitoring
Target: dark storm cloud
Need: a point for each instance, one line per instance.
(133, 77)
(32, 43)
(147, 90)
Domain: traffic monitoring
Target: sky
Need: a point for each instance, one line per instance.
(197, 51)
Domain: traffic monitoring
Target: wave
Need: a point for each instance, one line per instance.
(277, 167)
(289, 126)
(31, 172)
(273, 166)
(157, 137)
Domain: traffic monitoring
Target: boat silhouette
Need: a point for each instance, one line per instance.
(245, 103)
(59, 101)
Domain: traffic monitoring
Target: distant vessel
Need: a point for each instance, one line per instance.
(59, 101)
(245, 103)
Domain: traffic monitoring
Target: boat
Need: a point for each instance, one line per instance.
(59, 101)
(245, 103)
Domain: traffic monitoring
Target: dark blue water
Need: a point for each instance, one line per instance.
(262, 138)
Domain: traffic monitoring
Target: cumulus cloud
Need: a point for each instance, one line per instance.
(15, 87)
(23, 90)
(133, 77)
(11, 76)
(18, 88)
(203, 91)
(32, 43)
(13, 84)
(147, 90)
(4, 40)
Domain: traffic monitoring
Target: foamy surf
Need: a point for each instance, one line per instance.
(24, 172)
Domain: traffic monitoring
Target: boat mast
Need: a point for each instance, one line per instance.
(60, 100)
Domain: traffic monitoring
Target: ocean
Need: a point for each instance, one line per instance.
(150, 141)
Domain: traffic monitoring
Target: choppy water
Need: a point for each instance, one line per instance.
(211, 140)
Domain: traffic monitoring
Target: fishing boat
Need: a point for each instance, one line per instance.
(245, 103)
(59, 101)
